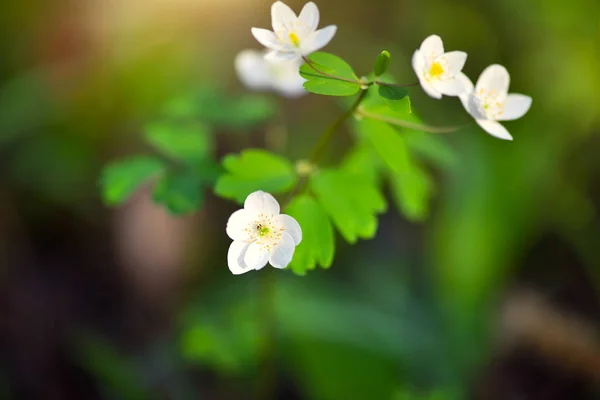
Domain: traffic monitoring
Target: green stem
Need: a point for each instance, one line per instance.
(267, 383)
(410, 125)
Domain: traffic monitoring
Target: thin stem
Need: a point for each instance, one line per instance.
(396, 84)
(410, 125)
(339, 78)
(267, 384)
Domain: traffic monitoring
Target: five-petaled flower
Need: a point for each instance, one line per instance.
(260, 74)
(489, 102)
(437, 71)
(293, 36)
(260, 235)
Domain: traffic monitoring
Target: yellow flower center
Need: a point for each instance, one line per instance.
(436, 70)
(295, 39)
(262, 230)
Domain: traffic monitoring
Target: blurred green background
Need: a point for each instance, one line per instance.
(494, 296)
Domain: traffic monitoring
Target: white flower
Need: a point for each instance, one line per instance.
(260, 235)
(293, 36)
(489, 102)
(437, 71)
(260, 74)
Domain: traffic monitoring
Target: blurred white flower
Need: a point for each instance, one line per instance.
(489, 102)
(260, 235)
(437, 71)
(293, 36)
(260, 74)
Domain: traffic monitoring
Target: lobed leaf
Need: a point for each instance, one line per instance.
(190, 143)
(120, 179)
(388, 143)
(412, 191)
(181, 192)
(318, 241)
(351, 200)
(253, 170)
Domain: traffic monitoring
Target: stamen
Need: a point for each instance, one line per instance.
(294, 39)
(436, 70)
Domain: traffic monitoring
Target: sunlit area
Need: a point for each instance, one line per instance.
(338, 200)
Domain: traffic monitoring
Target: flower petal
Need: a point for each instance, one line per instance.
(261, 202)
(288, 82)
(291, 227)
(430, 90)
(282, 255)
(266, 38)
(252, 69)
(238, 223)
(282, 56)
(256, 257)
(455, 61)
(515, 106)
(282, 17)
(494, 78)
(318, 39)
(418, 63)
(451, 87)
(495, 129)
(309, 16)
(432, 47)
(235, 257)
(466, 95)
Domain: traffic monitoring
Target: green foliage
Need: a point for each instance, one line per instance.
(119, 375)
(351, 200)
(388, 143)
(213, 107)
(430, 147)
(321, 72)
(190, 143)
(318, 241)
(382, 63)
(411, 191)
(252, 170)
(396, 98)
(180, 192)
(363, 160)
(121, 178)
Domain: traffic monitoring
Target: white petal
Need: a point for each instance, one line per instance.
(455, 62)
(430, 90)
(418, 63)
(318, 39)
(451, 87)
(432, 47)
(515, 106)
(494, 78)
(235, 257)
(282, 56)
(261, 202)
(467, 94)
(256, 257)
(283, 253)
(266, 38)
(289, 83)
(309, 16)
(495, 129)
(238, 223)
(252, 69)
(282, 17)
(291, 227)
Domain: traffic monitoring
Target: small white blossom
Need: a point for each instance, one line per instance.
(260, 235)
(489, 102)
(260, 74)
(437, 71)
(293, 36)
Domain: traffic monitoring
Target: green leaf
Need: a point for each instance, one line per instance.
(396, 98)
(382, 63)
(351, 201)
(190, 143)
(319, 83)
(389, 144)
(430, 147)
(181, 192)
(318, 241)
(254, 170)
(363, 160)
(412, 191)
(120, 179)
